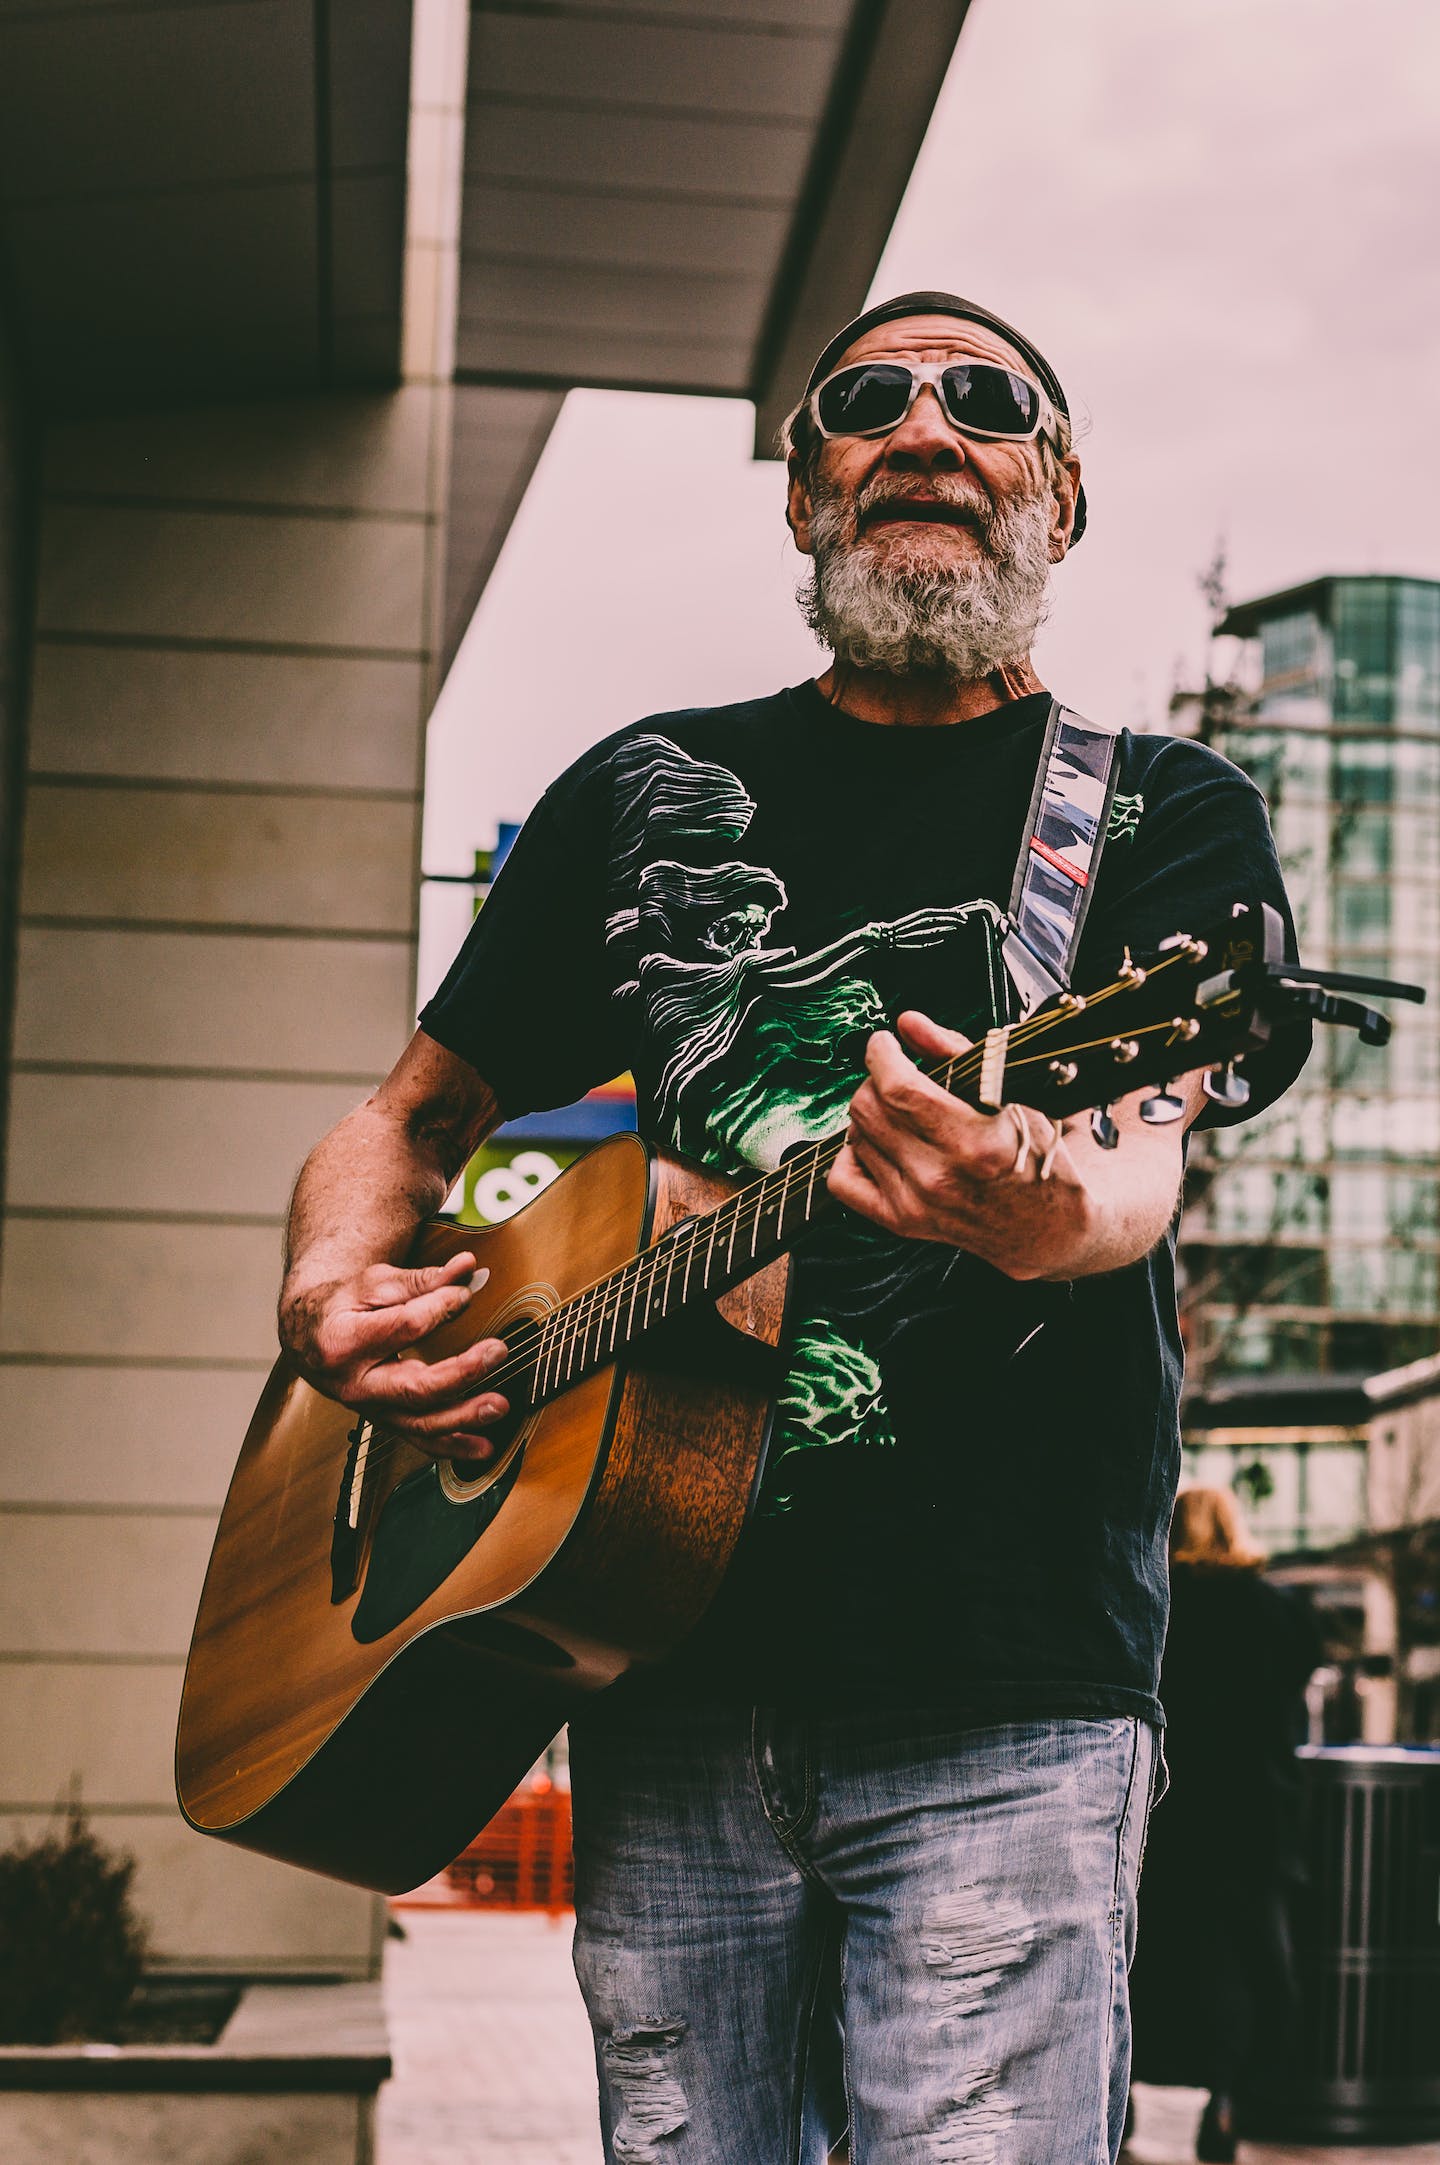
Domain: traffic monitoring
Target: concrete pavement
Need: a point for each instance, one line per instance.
(493, 2062)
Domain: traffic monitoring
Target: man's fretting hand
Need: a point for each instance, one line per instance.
(927, 1166)
(345, 1337)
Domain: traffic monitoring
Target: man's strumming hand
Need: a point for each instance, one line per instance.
(349, 1339)
(927, 1166)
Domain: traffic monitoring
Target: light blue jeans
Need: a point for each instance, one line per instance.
(787, 1921)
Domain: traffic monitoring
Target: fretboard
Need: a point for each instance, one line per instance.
(697, 1260)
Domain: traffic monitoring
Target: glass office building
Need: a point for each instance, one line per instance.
(1310, 1234)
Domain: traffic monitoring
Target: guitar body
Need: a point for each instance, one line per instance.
(383, 1649)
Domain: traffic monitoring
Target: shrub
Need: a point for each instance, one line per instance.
(71, 1945)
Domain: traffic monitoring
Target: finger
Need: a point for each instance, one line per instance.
(387, 1284)
(421, 1385)
(380, 1331)
(925, 1036)
(848, 1182)
(891, 1182)
(852, 1180)
(907, 1095)
(470, 1420)
(891, 1134)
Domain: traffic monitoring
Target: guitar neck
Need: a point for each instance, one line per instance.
(698, 1260)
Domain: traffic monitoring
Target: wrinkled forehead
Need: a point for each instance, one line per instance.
(933, 338)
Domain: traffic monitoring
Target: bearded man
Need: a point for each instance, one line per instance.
(884, 1813)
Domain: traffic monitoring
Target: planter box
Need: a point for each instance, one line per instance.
(292, 2076)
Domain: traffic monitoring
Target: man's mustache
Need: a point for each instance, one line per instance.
(940, 499)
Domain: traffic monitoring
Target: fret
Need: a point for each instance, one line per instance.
(810, 1184)
(574, 1307)
(669, 1274)
(734, 1210)
(617, 1284)
(710, 1250)
(595, 1304)
(784, 1198)
(755, 1228)
(634, 1295)
(543, 1372)
(689, 1259)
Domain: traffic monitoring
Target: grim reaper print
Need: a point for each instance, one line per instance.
(755, 1048)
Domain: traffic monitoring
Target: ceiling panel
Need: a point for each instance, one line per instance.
(170, 97)
(196, 203)
(653, 358)
(779, 15)
(367, 244)
(217, 289)
(609, 149)
(574, 226)
(655, 66)
(603, 299)
(369, 83)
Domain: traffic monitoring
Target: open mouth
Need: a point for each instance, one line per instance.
(921, 511)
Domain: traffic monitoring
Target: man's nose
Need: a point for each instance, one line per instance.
(924, 440)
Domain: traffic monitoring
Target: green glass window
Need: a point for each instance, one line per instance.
(1290, 646)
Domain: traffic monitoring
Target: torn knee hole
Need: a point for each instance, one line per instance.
(973, 2125)
(648, 2094)
(969, 1939)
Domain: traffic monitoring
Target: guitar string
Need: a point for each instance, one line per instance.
(755, 1199)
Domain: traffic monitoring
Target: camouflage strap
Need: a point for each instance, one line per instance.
(1060, 855)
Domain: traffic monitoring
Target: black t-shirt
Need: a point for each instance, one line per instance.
(970, 1479)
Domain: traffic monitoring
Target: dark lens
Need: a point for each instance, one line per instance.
(980, 395)
(870, 396)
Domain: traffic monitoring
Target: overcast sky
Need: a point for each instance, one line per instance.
(1215, 217)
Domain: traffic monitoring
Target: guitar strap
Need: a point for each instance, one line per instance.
(1059, 855)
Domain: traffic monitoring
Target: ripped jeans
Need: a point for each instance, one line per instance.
(786, 1922)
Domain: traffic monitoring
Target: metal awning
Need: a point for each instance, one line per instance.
(670, 197)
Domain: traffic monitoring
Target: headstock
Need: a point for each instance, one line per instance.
(1198, 1001)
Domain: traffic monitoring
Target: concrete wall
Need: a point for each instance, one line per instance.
(235, 613)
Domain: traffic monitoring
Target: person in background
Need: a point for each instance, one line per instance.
(1214, 1972)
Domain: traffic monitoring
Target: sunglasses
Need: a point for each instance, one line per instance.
(980, 398)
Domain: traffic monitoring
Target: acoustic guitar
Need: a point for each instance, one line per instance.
(386, 1643)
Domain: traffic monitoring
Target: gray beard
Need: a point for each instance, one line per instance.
(894, 610)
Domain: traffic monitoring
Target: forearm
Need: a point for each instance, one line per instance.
(389, 1165)
(361, 1195)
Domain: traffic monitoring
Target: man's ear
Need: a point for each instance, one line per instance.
(1065, 489)
(798, 506)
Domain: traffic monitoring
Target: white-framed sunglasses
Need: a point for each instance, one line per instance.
(980, 398)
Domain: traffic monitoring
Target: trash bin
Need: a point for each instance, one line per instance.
(1366, 2059)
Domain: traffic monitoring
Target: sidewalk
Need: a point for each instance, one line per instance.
(493, 2060)
(493, 2063)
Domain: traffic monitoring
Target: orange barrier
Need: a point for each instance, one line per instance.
(522, 1859)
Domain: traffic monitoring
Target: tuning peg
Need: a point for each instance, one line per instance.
(1224, 1087)
(1162, 1108)
(1103, 1128)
